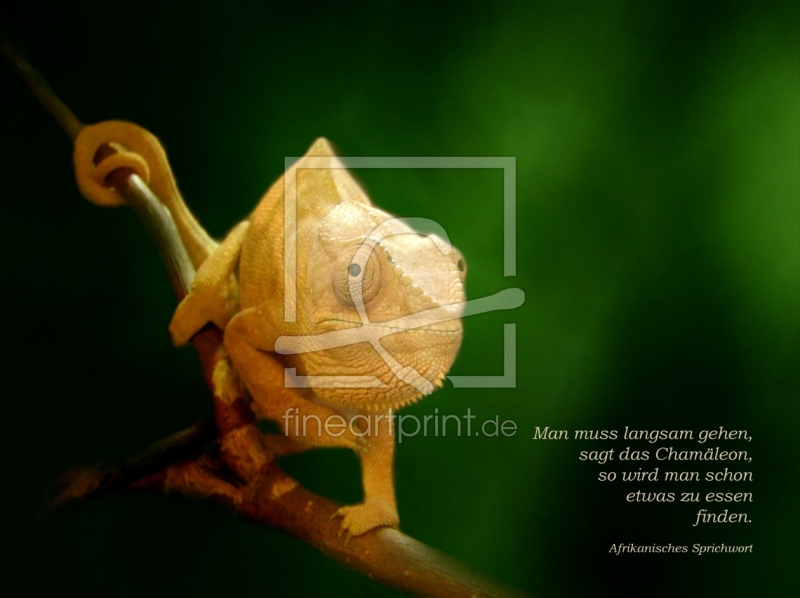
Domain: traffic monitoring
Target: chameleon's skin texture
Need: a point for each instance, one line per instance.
(404, 274)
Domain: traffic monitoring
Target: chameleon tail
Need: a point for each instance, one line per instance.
(135, 148)
(139, 150)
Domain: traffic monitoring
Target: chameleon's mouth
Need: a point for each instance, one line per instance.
(442, 319)
(446, 327)
(405, 364)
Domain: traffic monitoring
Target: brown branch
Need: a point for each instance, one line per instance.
(243, 475)
(80, 483)
(274, 499)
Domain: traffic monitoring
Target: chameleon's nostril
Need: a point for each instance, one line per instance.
(461, 265)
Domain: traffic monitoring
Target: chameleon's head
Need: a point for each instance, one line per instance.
(394, 295)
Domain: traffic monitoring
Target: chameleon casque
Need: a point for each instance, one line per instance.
(397, 293)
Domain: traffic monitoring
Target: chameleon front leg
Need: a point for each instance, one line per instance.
(212, 296)
(377, 472)
(264, 377)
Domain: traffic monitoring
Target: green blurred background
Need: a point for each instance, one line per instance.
(658, 208)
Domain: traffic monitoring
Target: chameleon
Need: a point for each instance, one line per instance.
(369, 321)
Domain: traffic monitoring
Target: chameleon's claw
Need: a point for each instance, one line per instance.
(347, 537)
(359, 519)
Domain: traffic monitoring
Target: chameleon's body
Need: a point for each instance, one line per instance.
(349, 274)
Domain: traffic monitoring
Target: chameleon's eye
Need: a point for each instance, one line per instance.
(460, 263)
(348, 274)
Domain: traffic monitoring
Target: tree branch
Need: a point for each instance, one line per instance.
(242, 474)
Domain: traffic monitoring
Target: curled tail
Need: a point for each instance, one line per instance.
(139, 150)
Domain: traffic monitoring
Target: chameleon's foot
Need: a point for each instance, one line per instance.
(213, 296)
(359, 519)
(198, 308)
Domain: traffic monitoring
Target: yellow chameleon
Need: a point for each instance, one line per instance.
(334, 313)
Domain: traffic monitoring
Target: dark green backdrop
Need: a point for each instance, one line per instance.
(658, 189)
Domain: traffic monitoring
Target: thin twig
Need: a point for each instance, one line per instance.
(36, 83)
(157, 221)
